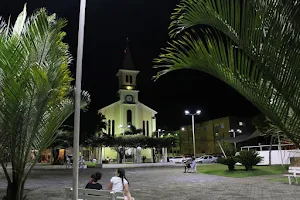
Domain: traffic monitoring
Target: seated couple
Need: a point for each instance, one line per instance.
(190, 165)
(118, 183)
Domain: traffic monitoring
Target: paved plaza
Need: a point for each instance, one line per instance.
(163, 183)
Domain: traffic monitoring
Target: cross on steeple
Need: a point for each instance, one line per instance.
(128, 64)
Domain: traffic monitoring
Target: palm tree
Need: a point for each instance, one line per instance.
(251, 45)
(101, 136)
(268, 129)
(35, 92)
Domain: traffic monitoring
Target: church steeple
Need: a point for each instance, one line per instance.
(127, 74)
(128, 64)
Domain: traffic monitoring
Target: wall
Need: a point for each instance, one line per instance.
(145, 115)
(278, 157)
(113, 113)
(205, 136)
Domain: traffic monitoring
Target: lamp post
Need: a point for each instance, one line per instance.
(220, 145)
(158, 136)
(159, 131)
(122, 127)
(78, 97)
(234, 135)
(198, 112)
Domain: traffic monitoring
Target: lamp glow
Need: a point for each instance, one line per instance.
(198, 112)
(182, 128)
(186, 112)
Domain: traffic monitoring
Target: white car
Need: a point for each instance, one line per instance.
(177, 159)
(206, 159)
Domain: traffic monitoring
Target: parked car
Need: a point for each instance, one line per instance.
(177, 159)
(206, 159)
(218, 156)
(187, 159)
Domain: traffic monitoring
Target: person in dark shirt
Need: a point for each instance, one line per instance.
(92, 184)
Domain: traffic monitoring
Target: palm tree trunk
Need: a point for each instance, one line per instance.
(270, 151)
(15, 189)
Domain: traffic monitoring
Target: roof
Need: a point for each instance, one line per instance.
(128, 64)
(244, 137)
(106, 107)
(150, 109)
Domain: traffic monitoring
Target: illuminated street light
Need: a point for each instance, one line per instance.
(159, 131)
(182, 128)
(198, 112)
(234, 134)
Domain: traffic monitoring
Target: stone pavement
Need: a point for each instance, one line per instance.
(163, 183)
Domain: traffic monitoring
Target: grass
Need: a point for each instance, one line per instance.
(90, 164)
(240, 172)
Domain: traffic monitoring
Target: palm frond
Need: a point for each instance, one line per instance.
(36, 96)
(253, 46)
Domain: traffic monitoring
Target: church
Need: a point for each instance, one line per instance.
(128, 110)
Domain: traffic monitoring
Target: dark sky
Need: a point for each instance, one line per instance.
(145, 22)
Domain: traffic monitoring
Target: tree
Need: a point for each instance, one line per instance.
(121, 143)
(270, 130)
(35, 92)
(248, 159)
(252, 45)
(132, 130)
(63, 139)
(101, 136)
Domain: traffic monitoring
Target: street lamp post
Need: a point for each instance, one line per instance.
(220, 145)
(159, 131)
(198, 112)
(234, 135)
(158, 136)
(123, 128)
(78, 97)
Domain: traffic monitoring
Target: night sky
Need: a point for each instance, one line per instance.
(108, 24)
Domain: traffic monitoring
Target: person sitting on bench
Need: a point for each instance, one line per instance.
(92, 184)
(187, 166)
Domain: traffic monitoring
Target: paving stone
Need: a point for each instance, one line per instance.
(163, 183)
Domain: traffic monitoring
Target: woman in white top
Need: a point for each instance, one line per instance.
(119, 183)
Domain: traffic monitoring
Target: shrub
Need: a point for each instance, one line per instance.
(248, 159)
(229, 161)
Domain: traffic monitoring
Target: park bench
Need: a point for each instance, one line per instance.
(293, 172)
(90, 194)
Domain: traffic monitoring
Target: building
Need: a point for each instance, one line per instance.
(208, 133)
(128, 110)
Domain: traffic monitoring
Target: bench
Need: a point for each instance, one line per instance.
(293, 172)
(90, 194)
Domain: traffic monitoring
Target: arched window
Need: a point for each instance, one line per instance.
(129, 117)
(130, 79)
(113, 128)
(144, 128)
(109, 127)
(127, 79)
(147, 127)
